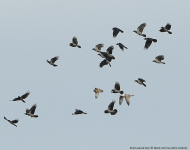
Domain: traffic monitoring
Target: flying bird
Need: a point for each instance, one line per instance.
(116, 31)
(140, 29)
(149, 42)
(166, 28)
(12, 122)
(116, 88)
(97, 91)
(126, 96)
(98, 47)
(31, 111)
(105, 62)
(52, 61)
(121, 46)
(108, 54)
(77, 111)
(22, 97)
(140, 81)
(159, 59)
(75, 43)
(110, 108)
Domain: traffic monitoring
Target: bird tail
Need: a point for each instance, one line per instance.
(144, 84)
(101, 91)
(144, 35)
(106, 111)
(169, 32)
(23, 101)
(54, 65)
(121, 31)
(78, 46)
(154, 40)
(35, 116)
(163, 63)
(84, 113)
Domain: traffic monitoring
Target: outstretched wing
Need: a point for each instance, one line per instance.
(15, 121)
(142, 80)
(127, 98)
(75, 40)
(120, 100)
(168, 26)
(25, 95)
(160, 57)
(141, 27)
(117, 86)
(147, 44)
(99, 46)
(54, 59)
(104, 62)
(111, 105)
(110, 49)
(32, 109)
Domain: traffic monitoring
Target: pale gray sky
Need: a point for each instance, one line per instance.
(34, 31)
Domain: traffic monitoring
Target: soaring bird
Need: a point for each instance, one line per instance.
(12, 122)
(110, 108)
(121, 46)
(52, 61)
(22, 97)
(166, 28)
(126, 96)
(140, 81)
(116, 88)
(149, 42)
(159, 59)
(98, 47)
(116, 31)
(97, 91)
(140, 29)
(75, 43)
(78, 111)
(31, 111)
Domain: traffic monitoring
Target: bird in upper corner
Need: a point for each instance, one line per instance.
(116, 88)
(149, 42)
(22, 97)
(110, 108)
(31, 111)
(78, 111)
(52, 61)
(116, 31)
(12, 122)
(166, 28)
(126, 96)
(97, 91)
(121, 46)
(98, 47)
(159, 59)
(75, 43)
(140, 81)
(140, 30)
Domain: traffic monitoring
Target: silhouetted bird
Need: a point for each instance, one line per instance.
(108, 54)
(116, 31)
(12, 122)
(77, 111)
(140, 81)
(149, 42)
(126, 96)
(166, 28)
(31, 111)
(98, 47)
(97, 91)
(105, 62)
(52, 61)
(75, 43)
(121, 46)
(158, 59)
(140, 29)
(116, 88)
(21, 98)
(110, 109)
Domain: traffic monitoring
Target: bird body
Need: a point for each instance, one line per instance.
(97, 91)
(31, 111)
(149, 42)
(116, 31)
(159, 59)
(166, 28)
(52, 61)
(140, 30)
(75, 42)
(78, 111)
(140, 81)
(12, 122)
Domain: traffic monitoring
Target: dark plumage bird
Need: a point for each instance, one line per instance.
(121, 46)
(126, 96)
(110, 109)
(159, 59)
(166, 28)
(97, 91)
(12, 122)
(140, 29)
(140, 81)
(31, 111)
(108, 54)
(116, 31)
(98, 47)
(52, 61)
(21, 98)
(149, 42)
(75, 43)
(116, 88)
(105, 62)
(77, 111)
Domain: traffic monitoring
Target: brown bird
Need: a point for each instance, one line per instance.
(97, 91)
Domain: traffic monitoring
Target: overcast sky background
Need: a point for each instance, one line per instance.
(33, 31)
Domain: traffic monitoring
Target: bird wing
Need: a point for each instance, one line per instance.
(168, 26)
(5, 118)
(104, 62)
(25, 95)
(110, 49)
(117, 86)
(115, 32)
(15, 121)
(141, 28)
(127, 98)
(142, 80)
(32, 109)
(99, 46)
(96, 94)
(54, 59)
(160, 57)
(111, 105)
(147, 44)
(75, 40)
(120, 100)
(16, 99)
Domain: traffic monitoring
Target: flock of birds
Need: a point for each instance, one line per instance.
(107, 59)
